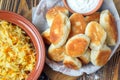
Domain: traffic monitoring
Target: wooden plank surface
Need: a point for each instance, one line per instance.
(111, 71)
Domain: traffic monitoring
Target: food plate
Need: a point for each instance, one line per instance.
(38, 16)
(33, 33)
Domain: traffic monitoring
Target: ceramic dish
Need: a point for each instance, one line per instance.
(86, 13)
(35, 38)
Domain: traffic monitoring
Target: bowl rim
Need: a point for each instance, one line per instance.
(35, 36)
(85, 14)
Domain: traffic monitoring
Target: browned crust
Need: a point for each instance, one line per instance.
(71, 65)
(112, 27)
(78, 24)
(46, 38)
(56, 30)
(57, 54)
(103, 57)
(93, 17)
(96, 32)
(76, 47)
(84, 60)
(54, 11)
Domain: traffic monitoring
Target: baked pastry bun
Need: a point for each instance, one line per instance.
(60, 30)
(85, 58)
(56, 54)
(93, 17)
(78, 24)
(46, 36)
(108, 23)
(100, 57)
(50, 15)
(72, 63)
(96, 34)
(77, 45)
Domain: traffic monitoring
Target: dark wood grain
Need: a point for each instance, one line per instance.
(22, 7)
(111, 71)
(117, 3)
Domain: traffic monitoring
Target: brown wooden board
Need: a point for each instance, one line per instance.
(111, 71)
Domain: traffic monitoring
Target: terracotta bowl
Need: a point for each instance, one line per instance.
(36, 39)
(91, 12)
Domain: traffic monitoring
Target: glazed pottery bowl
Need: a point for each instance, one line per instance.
(35, 37)
(88, 13)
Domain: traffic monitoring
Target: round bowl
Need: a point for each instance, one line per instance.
(88, 13)
(36, 39)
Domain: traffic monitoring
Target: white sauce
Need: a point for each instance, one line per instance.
(82, 6)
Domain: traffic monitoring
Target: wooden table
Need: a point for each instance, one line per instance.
(111, 71)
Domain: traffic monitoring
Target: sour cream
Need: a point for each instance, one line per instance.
(82, 6)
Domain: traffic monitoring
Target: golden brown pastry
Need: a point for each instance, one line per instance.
(108, 23)
(93, 17)
(46, 36)
(96, 34)
(85, 58)
(77, 45)
(56, 54)
(60, 30)
(100, 57)
(78, 24)
(50, 15)
(72, 63)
